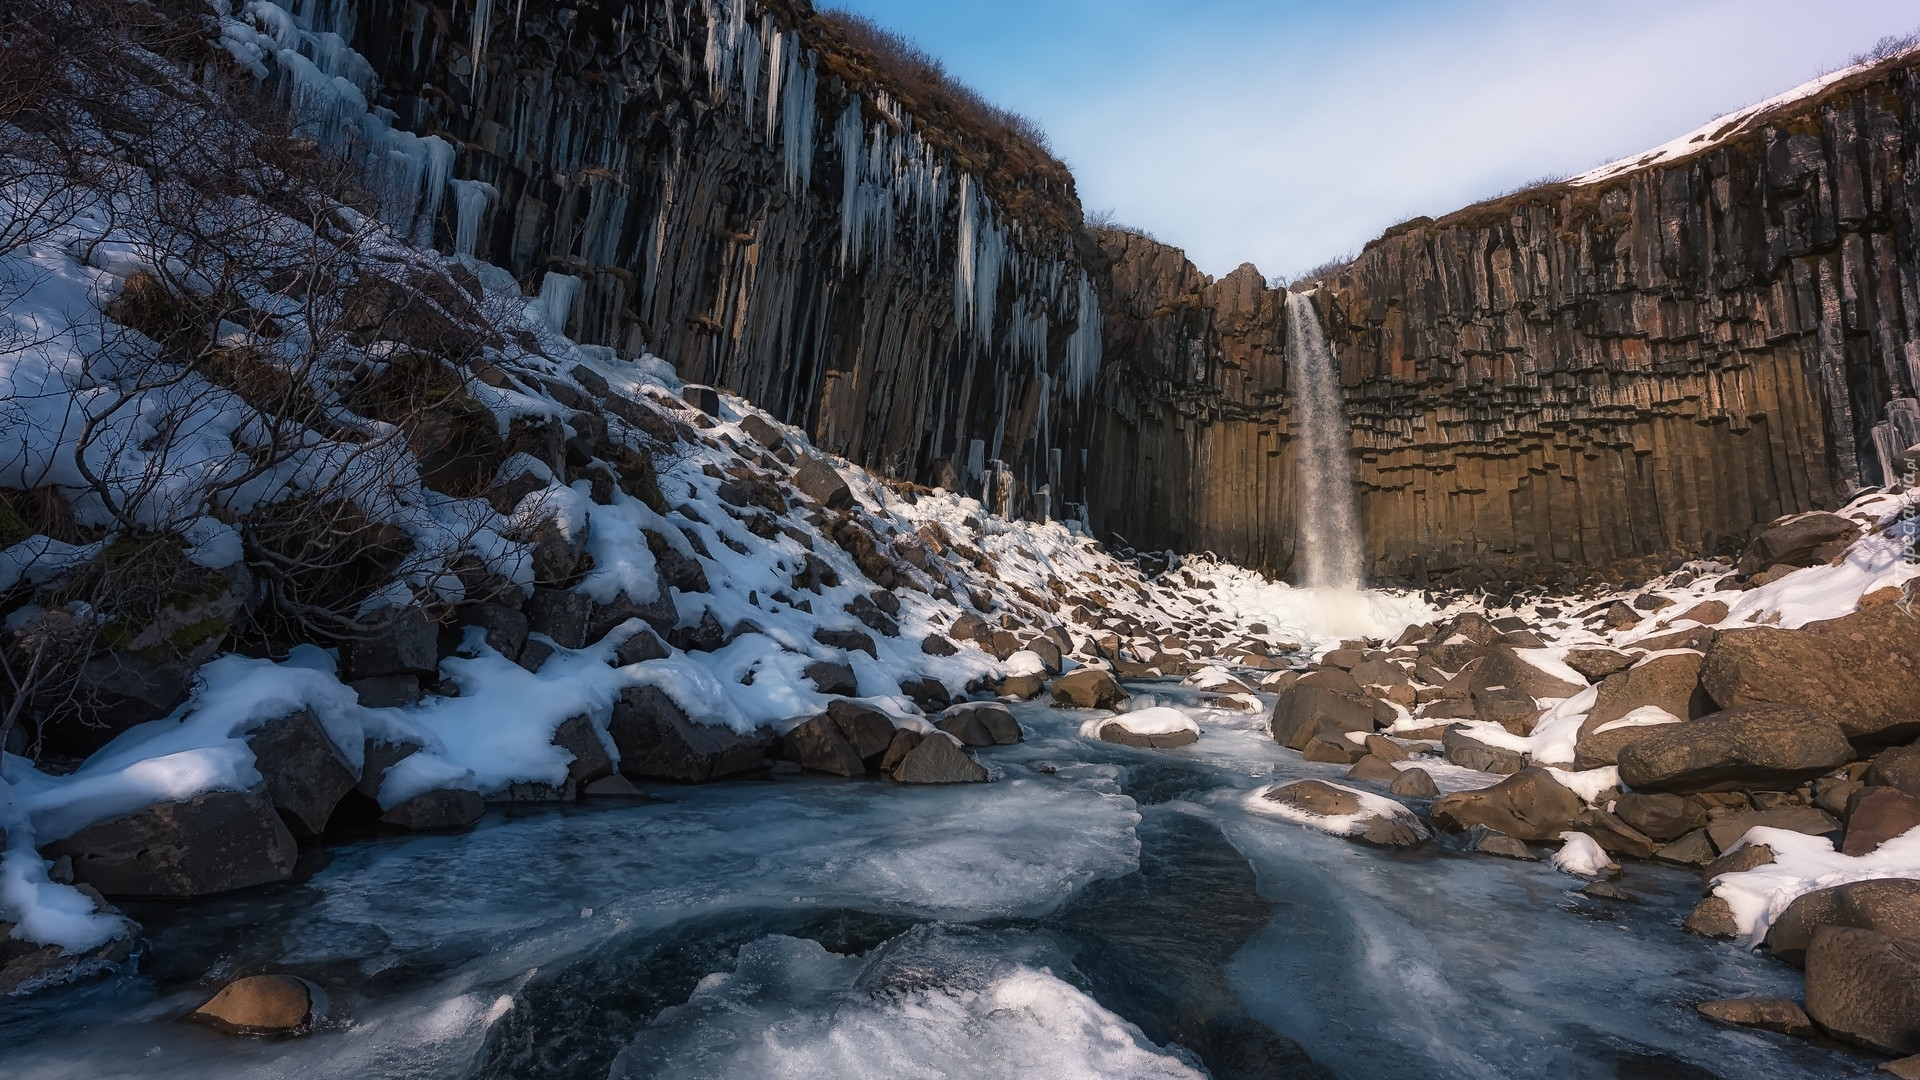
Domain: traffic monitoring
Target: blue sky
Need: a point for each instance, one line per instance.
(1286, 133)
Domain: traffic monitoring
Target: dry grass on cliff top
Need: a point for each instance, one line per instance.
(1008, 152)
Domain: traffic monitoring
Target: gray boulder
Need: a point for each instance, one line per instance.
(1529, 805)
(1862, 670)
(1769, 747)
(939, 759)
(658, 742)
(305, 773)
(1864, 987)
(1889, 906)
(212, 843)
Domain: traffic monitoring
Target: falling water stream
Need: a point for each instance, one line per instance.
(1329, 528)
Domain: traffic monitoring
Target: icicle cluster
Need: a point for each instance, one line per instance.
(892, 181)
(325, 84)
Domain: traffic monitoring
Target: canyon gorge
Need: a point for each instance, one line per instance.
(1584, 377)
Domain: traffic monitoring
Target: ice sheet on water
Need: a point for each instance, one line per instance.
(932, 1003)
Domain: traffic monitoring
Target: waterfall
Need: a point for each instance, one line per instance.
(1330, 543)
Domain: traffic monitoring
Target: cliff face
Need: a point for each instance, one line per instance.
(732, 185)
(1578, 378)
(1583, 376)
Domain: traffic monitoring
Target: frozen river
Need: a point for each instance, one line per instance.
(1097, 912)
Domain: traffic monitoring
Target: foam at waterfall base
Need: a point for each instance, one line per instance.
(935, 1002)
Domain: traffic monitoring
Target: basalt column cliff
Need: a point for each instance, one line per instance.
(1588, 376)
(1641, 362)
(741, 188)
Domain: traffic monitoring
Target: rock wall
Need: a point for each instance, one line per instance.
(1579, 378)
(733, 185)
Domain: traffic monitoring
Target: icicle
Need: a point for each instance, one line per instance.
(439, 162)
(797, 122)
(471, 198)
(1084, 346)
(417, 24)
(775, 75)
(555, 301)
(847, 143)
(477, 52)
(749, 72)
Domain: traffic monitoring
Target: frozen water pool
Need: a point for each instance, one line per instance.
(1097, 912)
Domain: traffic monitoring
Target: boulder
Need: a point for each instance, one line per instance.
(1597, 664)
(408, 644)
(1324, 704)
(1864, 987)
(1414, 784)
(1505, 666)
(561, 614)
(612, 787)
(1897, 768)
(1373, 768)
(376, 757)
(927, 692)
(1801, 819)
(1662, 817)
(1862, 670)
(1666, 683)
(305, 773)
(997, 719)
(1511, 709)
(1470, 753)
(591, 761)
(1783, 1015)
(1493, 842)
(1048, 651)
(1875, 815)
(439, 810)
(1713, 918)
(938, 645)
(821, 482)
(26, 968)
(965, 726)
(1020, 687)
(818, 746)
(903, 743)
(1693, 849)
(1382, 747)
(831, 678)
(505, 629)
(1614, 836)
(211, 843)
(938, 759)
(1793, 541)
(1088, 688)
(866, 729)
(658, 742)
(1707, 613)
(1529, 805)
(279, 1005)
(644, 645)
(847, 641)
(1115, 732)
(1889, 906)
(1737, 861)
(1770, 747)
(1619, 616)
(1322, 799)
